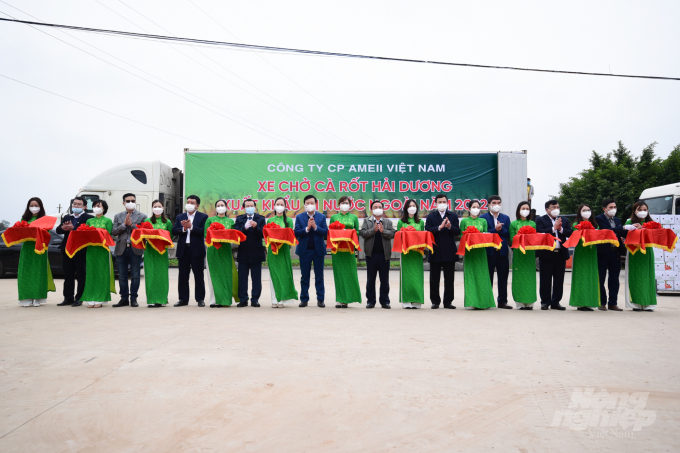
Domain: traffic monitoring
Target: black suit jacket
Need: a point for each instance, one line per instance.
(444, 249)
(84, 217)
(544, 225)
(251, 250)
(196, 238)
(603, 222)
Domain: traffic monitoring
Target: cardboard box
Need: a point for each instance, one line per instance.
(661, 267)
(669, 285)
(676, 285)
(659, 275)
(670, 275)
(676, 265)
(659, 257)
(655, 217)
(661, 285)
(668, 257)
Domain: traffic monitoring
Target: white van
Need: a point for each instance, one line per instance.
(662, 199)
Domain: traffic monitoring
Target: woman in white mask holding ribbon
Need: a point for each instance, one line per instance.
(523, 264)
(156, 266)
(585, 280)
(280, 265)
(222, 278)
(347, 289)
(640, 275)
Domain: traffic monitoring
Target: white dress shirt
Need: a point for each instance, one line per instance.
(191, 219)
(557, 243)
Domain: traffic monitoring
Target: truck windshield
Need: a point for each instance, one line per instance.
(660, 205)
(90, 199)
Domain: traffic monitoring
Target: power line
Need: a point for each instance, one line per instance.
(316, 52)
(105, 111)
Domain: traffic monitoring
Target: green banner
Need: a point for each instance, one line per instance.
(364, 177)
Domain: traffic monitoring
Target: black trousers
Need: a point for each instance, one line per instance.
(377, 265)
(255, 270)
(552, 267)
(188, 264)
(500, 264)
(612, 263)
(449, 274)
(74, 270)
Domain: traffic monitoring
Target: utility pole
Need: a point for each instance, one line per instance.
(59, 208)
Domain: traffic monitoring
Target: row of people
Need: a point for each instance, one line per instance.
(228, 280)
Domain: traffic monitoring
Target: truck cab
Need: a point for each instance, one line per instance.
(662, 199)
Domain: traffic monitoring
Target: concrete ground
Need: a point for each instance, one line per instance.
(195, 379)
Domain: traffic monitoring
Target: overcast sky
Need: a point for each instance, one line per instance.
(51, 146)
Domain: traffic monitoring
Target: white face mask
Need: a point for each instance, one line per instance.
(412, 210)
(377, 212)
(585, 214)
(221, 209)
(279, 209)
(310, 207)
(157, 211)
(641, 214)
(555, 212)
(496, 208)
(344, 207)
(442, 207)
(611, 212)
(97, 210)
(524, 213)
(34, 209)
(190, 207)
(130, 206)
(474, 212)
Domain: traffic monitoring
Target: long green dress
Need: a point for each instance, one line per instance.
(585, 280)
(221, 267)
(640, 278)
(523, 269)
(99, 282)
(34, 277)
(281, 266)
(156, 266)
(478, 291)
(411, 275)
(347, 289)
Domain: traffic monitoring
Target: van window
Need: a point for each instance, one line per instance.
(89, 199)
(139, 176)
(660, 205)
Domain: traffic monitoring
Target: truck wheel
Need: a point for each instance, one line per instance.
(2, 270)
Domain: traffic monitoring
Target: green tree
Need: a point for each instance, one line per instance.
(621, 176)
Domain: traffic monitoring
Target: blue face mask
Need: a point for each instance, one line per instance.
(76, 210)
(250, 211)
(528, 183)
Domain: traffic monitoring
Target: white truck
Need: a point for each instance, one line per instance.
(662, 200)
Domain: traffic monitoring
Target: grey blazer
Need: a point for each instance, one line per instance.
(122, 231)
(368, 233)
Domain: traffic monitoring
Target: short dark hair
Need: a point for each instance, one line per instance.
(247, 200)
(519, 208)
(129, 195)
(308, 197)
(81, 199)
(607, 201)
(441, 195)
(550, 203)
(343, 198)
(377, 201)
(194, 197)
(494, 197)
(473, 202)
(105, 205)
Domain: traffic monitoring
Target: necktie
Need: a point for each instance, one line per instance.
(250, 218)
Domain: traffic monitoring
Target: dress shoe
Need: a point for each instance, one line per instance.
(647, 309)
(254, 304)
(386, 306)
(407, 308)
(637, 309)
(434, 306)
(345, 305)
(121, 303)
(133, 303)
(201, 303)
(76, 303)
(338, 305)
(181, 303)
(64, 303)
(545, 306)
(215, 306)
(370, 305)
(320, 304)
(615, 308)
(302, 304)
(584, 309)
(522, 308)
(558, 307)
(602, 308)
(242, 304)
(505, 306)
(152, 306)
(529, 308)
(453, 307)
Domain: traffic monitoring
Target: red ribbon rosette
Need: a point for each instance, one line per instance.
(409, 239)
(21, 224)
(275, 236)
(585, 225)
(471, 230)
(84, 227)
(145, 233)
(527, 229)
(652, 226)
(87, 236)
(218, 234)
(24, 232)
(341, 239)
(660, 238)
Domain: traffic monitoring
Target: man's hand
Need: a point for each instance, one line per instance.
(377, 227)
(499, 226)
(186, 224)
(447, 223)
(128, 219)
(381, 227)
(558, 224)
(249, 223)
(311, 223)
(67, 226)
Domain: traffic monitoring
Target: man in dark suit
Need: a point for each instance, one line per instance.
(498, 259)
(310, 231)
(251, 254)
(445, 226)
(609, 257)
(74, 268)
(552, 263)
(189, 228)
